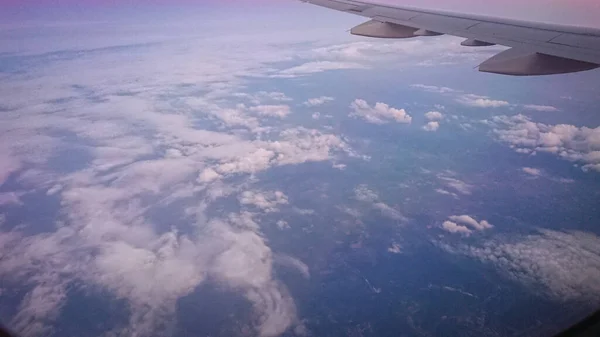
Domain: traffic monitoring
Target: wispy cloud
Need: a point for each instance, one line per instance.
(450, 181)
(154, 136)
(279, 111)
(317, 101)
(564, 265)
(541, 108)
(366, 195)
(478, 101)
(433, 88)
(317, 67)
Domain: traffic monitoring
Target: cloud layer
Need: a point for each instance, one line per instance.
(565, 264)
(150, 137)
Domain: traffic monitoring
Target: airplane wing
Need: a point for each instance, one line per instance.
(536, 48)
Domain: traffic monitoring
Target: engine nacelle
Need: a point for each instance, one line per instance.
(519, 62)
(385, 30)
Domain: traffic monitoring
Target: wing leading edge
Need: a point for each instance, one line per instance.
(536, 48)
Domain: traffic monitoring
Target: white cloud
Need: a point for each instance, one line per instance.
(566, 141)
(266, 201)
(295, 146)
(444, 192)
(395, 248)
(293, 263)
(532, 171)
(282, 224)
(8, 165)
(564, 265)
(317, 67)
(44, 300)
(11, 198)
(208, 175)
(431, 126)
(455, 184)
(381, 113)
(364, 194)
(453, 227)
(150, 139)
(471, 222)
(404, 53)
(318, 101)
(264, 96)
(303, 211)
(481, 101)
(541, 108)
(432, 88)
(434, 115)
(272, 110)
(389, 211)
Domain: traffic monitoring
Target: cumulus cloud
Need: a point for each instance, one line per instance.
(317, 67)
(481, 101)
(564, 265)
(381, 113)
(541, 108)
(395, 248)
(471, 222)
(532, 171)
(208, 175)
(266, 201)
(295, 146)
(282, 224)
(434, 116)
(272, 110)
(318, 101)
(566, 141)
(431, 126)
(453, 227)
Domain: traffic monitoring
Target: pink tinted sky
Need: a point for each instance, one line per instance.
(583, 12)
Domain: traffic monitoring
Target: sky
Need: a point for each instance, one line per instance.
(575, 12)
(144, 157)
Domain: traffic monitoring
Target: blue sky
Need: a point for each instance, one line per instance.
(145, 157)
